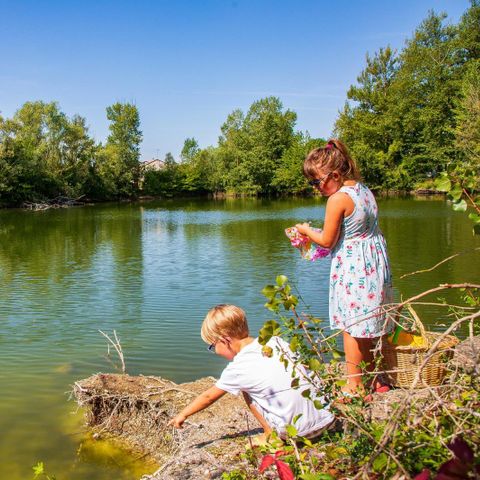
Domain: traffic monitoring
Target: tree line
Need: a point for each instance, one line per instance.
(412, 115)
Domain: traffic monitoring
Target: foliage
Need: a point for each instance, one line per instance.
(415, 112)
(39, 471)
(118, 164)
(44, 154)
(462, 465)
(415, 435)
(283, 469)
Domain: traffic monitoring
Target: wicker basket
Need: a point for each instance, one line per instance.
(401, 362)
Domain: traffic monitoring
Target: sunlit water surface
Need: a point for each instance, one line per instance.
(151, 271)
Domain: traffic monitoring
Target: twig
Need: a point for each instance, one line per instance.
(438, 264)
(116, 345)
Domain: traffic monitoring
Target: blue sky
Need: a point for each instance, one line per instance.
(188, 64)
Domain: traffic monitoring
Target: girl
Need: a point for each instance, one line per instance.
(360, 278)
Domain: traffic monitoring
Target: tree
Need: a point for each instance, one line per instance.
(189, 150)
(288, 177)
(118, 161)
(366, 123)
(252, 145)
(467, 114)
(425, 89)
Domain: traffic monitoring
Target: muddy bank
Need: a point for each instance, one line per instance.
(138, 409)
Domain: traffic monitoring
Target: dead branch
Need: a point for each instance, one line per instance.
(116, 345)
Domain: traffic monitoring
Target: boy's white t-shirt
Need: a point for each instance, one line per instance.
(268, 383)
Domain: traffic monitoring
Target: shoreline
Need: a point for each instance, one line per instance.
(42, 206)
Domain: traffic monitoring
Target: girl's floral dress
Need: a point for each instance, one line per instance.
(360, 277)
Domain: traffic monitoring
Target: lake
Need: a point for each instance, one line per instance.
(151, 271)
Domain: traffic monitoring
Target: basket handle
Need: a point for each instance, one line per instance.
(418, 323)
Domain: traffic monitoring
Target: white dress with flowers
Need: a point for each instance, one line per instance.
(360, 277)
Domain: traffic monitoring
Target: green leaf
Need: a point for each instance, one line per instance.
(281, 280)
(269, 329)
(306, 393)
(269, 290)
(294, 343)
(291, 431)
(456, 193)
(38, 469)
(460, 206)
(443, 184)
(380, 462)
(296, 417)
(474, 217)
(273, 305)
(295, 382)
(318, 405)
(336, 354)
(316, 476)
(476, 229)
(314, 364)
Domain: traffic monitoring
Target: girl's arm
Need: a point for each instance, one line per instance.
(203, 401)
(339, 205)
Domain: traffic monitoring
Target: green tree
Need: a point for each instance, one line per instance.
(425, 90)
(118, 164)
(252, 145)
(189, 150)
(467, 112)
(366, 123)
(44, 154)
(288, 177)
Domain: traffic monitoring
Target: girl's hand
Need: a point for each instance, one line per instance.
(303, 228)
(178, 421)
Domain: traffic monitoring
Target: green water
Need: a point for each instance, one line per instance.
(151, 271)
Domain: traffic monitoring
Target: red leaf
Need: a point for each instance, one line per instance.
(267, 460)
(461, 450)
(280, 453)
(453, 469)
(424, 475)
(284, 471)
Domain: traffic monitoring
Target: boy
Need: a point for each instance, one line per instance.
(262, 378)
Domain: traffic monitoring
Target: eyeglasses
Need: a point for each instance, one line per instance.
(319, 181)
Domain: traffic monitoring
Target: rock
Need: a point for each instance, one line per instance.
(467, 355)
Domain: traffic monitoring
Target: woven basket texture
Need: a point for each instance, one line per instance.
(402, 362)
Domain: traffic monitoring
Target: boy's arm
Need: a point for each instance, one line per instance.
(203, 401)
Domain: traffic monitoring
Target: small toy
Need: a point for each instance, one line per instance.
(402, 338)
(308, 249)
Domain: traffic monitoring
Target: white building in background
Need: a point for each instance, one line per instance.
(154, 164)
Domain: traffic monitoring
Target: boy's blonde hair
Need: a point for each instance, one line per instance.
(224, 321)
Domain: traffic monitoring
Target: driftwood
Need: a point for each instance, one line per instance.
(57, 202)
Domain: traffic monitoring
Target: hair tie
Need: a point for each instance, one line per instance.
(328, 146)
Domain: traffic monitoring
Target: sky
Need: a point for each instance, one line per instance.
(187, 64)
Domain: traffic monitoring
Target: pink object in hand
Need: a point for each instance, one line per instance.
(308, 249)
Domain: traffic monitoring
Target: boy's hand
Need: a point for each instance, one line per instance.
(177, 421)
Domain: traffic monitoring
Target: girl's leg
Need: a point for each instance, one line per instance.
(359, 350)
(353, 357)
(256, 413)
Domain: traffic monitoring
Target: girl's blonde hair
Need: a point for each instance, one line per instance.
(224, 321)
(332, 157)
